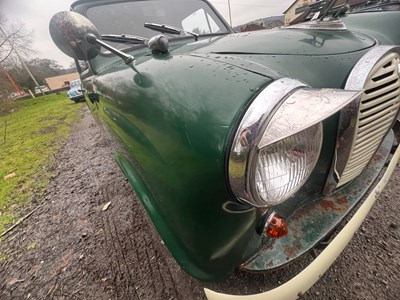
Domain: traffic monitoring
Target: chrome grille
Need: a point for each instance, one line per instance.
(379, 106)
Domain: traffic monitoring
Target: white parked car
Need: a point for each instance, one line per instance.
(75, 92)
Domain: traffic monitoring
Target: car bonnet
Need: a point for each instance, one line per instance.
(284, 41)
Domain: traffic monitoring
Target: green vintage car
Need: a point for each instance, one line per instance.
(246, 149)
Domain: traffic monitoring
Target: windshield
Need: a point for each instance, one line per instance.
(129, 17)
(75, 83)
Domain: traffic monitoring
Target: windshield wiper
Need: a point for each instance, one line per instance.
(124, 38)
(169, 29)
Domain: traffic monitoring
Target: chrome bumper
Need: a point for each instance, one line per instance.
(298, 285)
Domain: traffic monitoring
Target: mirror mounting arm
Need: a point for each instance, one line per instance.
(92, 39)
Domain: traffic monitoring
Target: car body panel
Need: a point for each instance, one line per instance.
(157, 114)
(166, 153)
(177, 113)
(383, 26)
(171, 152)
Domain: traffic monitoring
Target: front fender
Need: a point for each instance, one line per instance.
(176, 135)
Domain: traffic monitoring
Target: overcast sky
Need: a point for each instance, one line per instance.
(36, 15)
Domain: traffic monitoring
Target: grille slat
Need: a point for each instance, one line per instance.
(383, 76)
(379, 106)
(375, 126)
(360, 158)
(385, 88)
(370, 137)
(365, 149)
(354, 173)
(393, 104)
(381, 80)
(378, 116)
(390, 96)
(378, 121)
(386, 68)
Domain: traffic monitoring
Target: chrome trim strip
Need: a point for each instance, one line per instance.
(358, 75)
(320, 25)
(298, 285)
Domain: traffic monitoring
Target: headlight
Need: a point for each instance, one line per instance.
(282, 167)
(278, 141)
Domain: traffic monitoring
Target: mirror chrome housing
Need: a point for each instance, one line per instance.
(69, 31)
(78, 38)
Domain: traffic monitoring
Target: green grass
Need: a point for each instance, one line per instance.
(29, 139)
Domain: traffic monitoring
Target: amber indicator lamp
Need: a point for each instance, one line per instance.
(275, 227)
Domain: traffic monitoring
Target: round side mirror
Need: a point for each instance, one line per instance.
(69, 31)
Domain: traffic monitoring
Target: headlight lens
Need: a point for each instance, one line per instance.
(284, 166)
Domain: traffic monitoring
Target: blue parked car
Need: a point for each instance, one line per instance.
(75, 92)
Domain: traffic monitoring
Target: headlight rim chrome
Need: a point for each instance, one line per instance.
(261, 109)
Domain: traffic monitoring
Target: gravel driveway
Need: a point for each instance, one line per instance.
(69, 248)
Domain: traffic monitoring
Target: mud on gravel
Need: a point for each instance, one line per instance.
(69, 248)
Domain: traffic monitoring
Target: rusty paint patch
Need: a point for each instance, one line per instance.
(342, 201)
(332, 205)
(290, 252)
(300, 214)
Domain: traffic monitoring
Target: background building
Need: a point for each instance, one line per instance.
(61, 81)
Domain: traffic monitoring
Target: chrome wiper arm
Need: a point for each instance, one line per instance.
(168, 29)
(124, 38)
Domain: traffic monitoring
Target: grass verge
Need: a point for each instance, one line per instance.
(29, 139)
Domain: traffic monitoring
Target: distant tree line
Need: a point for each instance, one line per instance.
(16, 45)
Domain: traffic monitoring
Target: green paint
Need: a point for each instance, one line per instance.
(176, 119)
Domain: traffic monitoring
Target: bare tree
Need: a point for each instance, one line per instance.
(41, 67)
(13, 35)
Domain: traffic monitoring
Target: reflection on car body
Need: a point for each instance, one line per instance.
(288, 132)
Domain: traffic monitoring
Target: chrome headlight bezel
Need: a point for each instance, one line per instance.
(289, 105)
